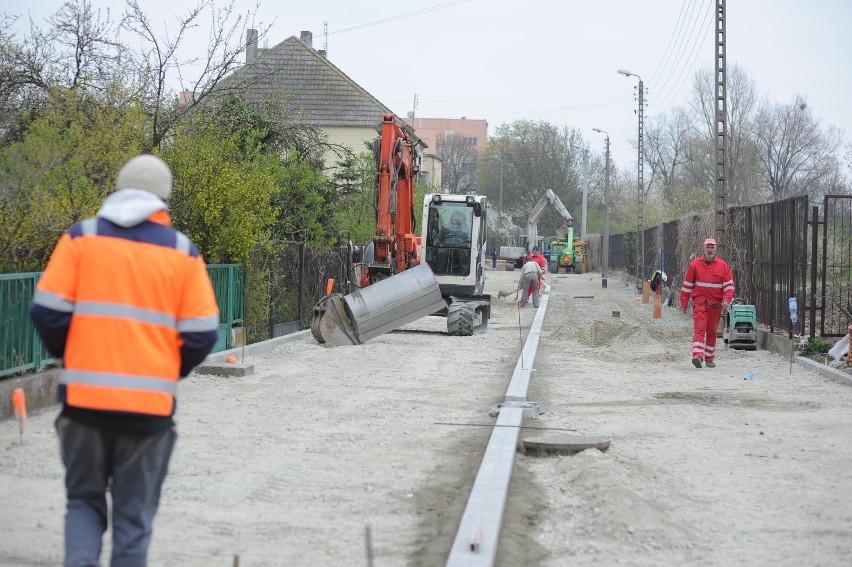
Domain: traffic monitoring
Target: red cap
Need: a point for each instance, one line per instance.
(710, 241)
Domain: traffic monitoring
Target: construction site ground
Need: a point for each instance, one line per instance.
(365, 455)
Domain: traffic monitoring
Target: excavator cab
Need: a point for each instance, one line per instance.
(454, 246)
(454, 241)
(448, 245)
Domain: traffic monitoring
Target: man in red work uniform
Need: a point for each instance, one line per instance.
(535, 256)
(710, 284)
(127, 306)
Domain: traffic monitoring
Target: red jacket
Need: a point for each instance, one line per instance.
(708, 283)
(540, 260)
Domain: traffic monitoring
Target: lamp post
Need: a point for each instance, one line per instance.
(640, 229)
(605, 239)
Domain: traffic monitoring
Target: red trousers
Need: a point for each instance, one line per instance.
(705, 320)
(529, 289)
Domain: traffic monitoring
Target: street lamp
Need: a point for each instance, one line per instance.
(640, 233)
(605, 239)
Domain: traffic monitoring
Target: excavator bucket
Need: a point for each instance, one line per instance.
(331, 324)
(377, 309)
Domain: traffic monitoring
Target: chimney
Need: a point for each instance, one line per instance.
(251, 46)
(308, 38)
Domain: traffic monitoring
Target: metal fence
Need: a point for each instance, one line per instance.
(229, 286)
(836, 264)
(776, 251)
(768, 256)
(20, 348)
(285, 283)
(22, 351)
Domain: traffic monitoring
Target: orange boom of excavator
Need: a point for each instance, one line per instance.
(396, 247)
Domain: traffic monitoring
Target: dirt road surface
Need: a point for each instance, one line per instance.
(294, 464)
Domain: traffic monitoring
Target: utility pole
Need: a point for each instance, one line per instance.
(325, 37)
(413, 108)
(585, 193)
(501, 186)
(605, 239)
(640, 197)
(721, 222)
(640, 264)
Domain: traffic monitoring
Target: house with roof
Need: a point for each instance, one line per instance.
(323, 94)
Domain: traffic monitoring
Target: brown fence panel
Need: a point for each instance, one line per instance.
(618, 253)
(836, 265)
(768, 256)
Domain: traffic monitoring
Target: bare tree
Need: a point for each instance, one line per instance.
(74, 49)
(538, 156)
(666, 140)
(743, 179)
(458, 164)
(164, 58)
(795, 153)
(89, 55)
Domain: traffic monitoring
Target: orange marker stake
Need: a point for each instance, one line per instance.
(19, 404)
(329, 286)
(658, 304)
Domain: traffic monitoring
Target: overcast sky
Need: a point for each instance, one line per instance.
(556, 60)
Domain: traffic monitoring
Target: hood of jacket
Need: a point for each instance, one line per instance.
(129, 207)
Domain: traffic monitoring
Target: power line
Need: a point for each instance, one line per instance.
(522, 97)
(676, 51)
(556, 109)
(403, 16)
(688, 65)
(667, 53)
(681, 48)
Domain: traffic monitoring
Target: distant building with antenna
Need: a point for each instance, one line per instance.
(472, 132)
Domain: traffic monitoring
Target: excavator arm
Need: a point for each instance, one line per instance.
(395, 244)
(532, 222)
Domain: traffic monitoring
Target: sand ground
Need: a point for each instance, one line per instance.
(294, 464)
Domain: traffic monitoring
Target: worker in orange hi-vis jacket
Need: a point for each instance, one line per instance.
(126, 303)
(710, 284)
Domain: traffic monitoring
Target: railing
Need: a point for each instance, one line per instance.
(20, 348)
(229, 285)
(22, 351)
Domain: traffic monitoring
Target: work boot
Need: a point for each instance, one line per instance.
(710, 364)
(696, 362)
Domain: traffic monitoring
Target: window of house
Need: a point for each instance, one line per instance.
(469, 141)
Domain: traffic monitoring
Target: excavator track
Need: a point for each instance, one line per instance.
(460, 320)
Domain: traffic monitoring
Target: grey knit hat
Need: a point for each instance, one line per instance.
(147, 173)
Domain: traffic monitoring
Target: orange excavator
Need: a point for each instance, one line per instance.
(402, 280)
(395, 247)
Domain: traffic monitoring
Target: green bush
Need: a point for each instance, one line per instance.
(815, 346)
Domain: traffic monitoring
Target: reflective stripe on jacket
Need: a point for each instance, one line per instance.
(708, 283)
(130, 309)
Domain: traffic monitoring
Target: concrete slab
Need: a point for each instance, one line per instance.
(225, 369)
(842, 376)
(562, 444)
